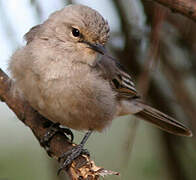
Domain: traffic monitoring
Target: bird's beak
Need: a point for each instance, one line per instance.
(97, 47)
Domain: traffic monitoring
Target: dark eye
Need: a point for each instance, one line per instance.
(75, 32)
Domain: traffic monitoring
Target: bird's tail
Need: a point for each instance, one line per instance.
(162, 120)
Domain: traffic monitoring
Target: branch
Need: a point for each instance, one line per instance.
(185, 7)
(151, 56)
(82, 168)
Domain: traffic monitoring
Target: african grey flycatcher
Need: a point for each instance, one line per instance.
(65, 73)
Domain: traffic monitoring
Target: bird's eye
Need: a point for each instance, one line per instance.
(75, 32)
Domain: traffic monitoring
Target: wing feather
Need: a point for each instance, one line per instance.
(119, 78)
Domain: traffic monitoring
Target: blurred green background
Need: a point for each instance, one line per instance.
(158, 47)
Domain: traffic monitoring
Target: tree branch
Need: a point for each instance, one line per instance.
(82, 168)
(185, 7)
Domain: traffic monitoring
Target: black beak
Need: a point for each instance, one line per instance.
(97, 47)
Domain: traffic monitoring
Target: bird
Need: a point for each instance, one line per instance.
(66, 74)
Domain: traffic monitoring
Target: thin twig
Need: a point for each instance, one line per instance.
(177, 83)
(152, 56)
(38, 9)
(185, 7)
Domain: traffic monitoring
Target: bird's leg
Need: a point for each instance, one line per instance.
(55, 128)
(76, 151)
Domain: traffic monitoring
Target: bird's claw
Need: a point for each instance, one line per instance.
(53, 130)
(70, 155)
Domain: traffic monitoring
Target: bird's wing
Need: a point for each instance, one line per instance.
(118, 77)
(122, 83)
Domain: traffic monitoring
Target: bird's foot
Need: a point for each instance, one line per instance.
(53, 130)
(68, 157)
(72, 154)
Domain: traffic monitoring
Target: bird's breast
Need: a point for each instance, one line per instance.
(77, 98)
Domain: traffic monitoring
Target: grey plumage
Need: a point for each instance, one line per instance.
(69, 78)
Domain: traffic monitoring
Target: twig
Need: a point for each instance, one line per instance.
(82, 167)
(175, 79)
(185, 7)
(38, 9)
(152, 54)
(70, 1)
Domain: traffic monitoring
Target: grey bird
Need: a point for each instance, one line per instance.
(66, 74)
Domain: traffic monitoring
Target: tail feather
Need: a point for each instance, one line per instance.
(162, 120)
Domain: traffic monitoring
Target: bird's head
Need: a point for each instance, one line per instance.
(78, 28)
